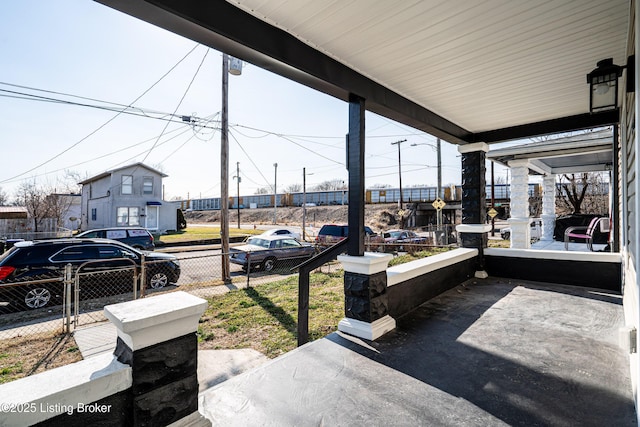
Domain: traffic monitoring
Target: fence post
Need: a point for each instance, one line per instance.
(248, 268)
(143, 281)
(67, 297)
(76, 298)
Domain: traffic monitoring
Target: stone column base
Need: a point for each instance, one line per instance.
(368, 331)
(548, 226)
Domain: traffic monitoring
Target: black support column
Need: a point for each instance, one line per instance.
(365, 276)
(355, 166)
(473, 230)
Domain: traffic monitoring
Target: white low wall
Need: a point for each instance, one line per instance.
(69, 389)
(556, 255)
(403, 272)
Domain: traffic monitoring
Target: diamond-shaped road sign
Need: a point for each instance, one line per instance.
(438, 204)
(492, 212)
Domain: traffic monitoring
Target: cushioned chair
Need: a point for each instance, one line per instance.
(586, 233)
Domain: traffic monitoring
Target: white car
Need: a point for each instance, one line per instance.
(281, 232)
(536, 230)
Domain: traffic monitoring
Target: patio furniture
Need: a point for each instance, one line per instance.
(586, 233)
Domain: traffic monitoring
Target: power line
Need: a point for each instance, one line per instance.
(178, 106)
(103, 125)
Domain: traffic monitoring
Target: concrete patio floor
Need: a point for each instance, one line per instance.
(554, 245)
(490, 352)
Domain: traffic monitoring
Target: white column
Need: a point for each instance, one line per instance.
(548, 206)
(519, 221)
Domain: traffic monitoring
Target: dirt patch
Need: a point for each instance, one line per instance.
(378, 217)
(24, 356)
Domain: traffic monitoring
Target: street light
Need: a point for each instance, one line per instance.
(399, 171)
(275, 193)
(224, 169)
(438, 148)
(237, 177)
(304, 202)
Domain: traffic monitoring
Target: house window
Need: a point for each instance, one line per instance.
(127, 216)
(147, 185)
(94, 214)
(127, 184)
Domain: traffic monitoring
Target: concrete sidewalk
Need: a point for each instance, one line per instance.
(214, 366)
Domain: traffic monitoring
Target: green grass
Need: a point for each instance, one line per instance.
(202, 233)
(265, 318)
(408, 257)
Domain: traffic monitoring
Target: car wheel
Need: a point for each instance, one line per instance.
(506, 236)
(37, 298)
(269, 264)
(158, 280)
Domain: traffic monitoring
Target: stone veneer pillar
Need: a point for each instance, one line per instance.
(548, 207)
(157, 338)
(473, 230)
(519, 220)
(366, 302)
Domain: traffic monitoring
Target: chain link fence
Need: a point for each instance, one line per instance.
(76, 296)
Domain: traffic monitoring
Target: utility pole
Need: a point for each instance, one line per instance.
(304, 202)
(238, 179)
(439, 212)
(224, 172)
(275, 194)
(399, 171)
(236, 69)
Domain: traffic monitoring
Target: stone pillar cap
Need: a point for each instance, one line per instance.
(148, 321)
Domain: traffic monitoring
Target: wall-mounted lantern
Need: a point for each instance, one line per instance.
(603, 82)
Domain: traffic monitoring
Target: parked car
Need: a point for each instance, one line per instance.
(536, 230)
(109, 269)
(330, 234)
(137, 237)
(264, 252)
(402, 240)
(281, 232)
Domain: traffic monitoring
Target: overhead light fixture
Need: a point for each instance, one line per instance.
(603, 82)
(235, 66)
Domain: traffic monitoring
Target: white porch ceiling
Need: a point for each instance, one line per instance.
(482, 64)
(589, 152)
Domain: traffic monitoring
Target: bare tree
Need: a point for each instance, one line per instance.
(572, 190)
(33, 198)
(70, 182)
(334, 184)
(293, 188)
(58, 205)
(4, 199)
(264, 190)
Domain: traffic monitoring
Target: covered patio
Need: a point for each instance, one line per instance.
(586, 152)
(484, 336)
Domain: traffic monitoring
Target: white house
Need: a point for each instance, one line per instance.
(127, 196)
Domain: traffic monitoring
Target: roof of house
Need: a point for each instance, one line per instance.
(13, 212)
(110, 172)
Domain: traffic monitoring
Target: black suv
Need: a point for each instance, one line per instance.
(31, 272)
(136, 237)
(331, 234)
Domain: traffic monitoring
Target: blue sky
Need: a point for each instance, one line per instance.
(85, 49)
